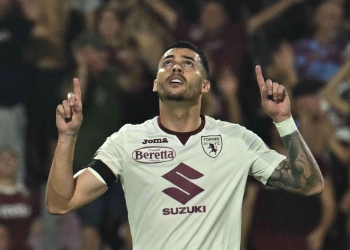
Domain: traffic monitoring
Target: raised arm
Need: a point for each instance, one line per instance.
(269, 13)
(330, 91)
(63, 192)
(164, 11)
(300, 172)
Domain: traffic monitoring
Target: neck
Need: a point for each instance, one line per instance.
(178, 117)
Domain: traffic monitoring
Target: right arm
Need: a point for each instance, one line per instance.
(63, 192)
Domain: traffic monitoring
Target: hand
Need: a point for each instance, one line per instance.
(69, 114)
(315, 240)
(274, 98)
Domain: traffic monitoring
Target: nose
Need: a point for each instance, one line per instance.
(177, 68)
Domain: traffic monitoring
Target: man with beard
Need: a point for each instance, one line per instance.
(180, 193)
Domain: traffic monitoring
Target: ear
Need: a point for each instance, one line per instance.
(155, 85)
(205, 86)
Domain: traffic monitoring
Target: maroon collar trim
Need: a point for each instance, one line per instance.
(183, 136)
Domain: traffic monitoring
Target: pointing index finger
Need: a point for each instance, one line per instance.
(259, 77)
(77, 90)
(261, 81)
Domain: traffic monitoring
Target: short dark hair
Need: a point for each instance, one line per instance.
(191, 46)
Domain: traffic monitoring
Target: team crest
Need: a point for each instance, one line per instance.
(212, 145)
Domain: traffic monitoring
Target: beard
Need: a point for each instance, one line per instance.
(189, 95)
(167, 96)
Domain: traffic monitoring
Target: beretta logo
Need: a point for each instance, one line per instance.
(212, 145)
(153, 154)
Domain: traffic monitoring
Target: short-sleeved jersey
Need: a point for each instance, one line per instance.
(186, 196)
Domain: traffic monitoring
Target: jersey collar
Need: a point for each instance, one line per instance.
(182, 136)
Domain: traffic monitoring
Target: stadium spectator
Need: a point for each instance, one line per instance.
(126, 55)
(321, 55)
(109, 26)
(335, 102)
(16, 23)
(47, 57)
(19, 206)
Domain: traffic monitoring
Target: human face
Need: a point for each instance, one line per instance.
(96, 59)
(180, 76)
(213, 16)
(8, 164)
(109, 25)
(329, 18)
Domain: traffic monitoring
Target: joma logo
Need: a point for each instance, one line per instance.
(159, 140)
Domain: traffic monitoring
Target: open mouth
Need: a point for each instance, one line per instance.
(176, 79)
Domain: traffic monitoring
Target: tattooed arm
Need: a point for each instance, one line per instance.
(300, 172)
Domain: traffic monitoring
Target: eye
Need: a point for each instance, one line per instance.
(167, 63)
(188, 63)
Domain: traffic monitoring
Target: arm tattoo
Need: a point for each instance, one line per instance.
(300, 172)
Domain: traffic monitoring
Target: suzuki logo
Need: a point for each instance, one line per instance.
(177, 177)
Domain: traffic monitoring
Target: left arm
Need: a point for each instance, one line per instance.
(299, 173)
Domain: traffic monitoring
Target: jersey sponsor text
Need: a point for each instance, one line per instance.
(153, 154)
(184, 210)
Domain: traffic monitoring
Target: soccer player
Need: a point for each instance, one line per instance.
(183, 173)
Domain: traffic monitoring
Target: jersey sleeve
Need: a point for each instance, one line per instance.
(264, 160)
(112, 153)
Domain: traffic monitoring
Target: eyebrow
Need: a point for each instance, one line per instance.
(186, 57)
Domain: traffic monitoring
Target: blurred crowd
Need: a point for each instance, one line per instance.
(113, 47)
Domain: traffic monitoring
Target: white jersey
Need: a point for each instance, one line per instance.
(186, 197)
